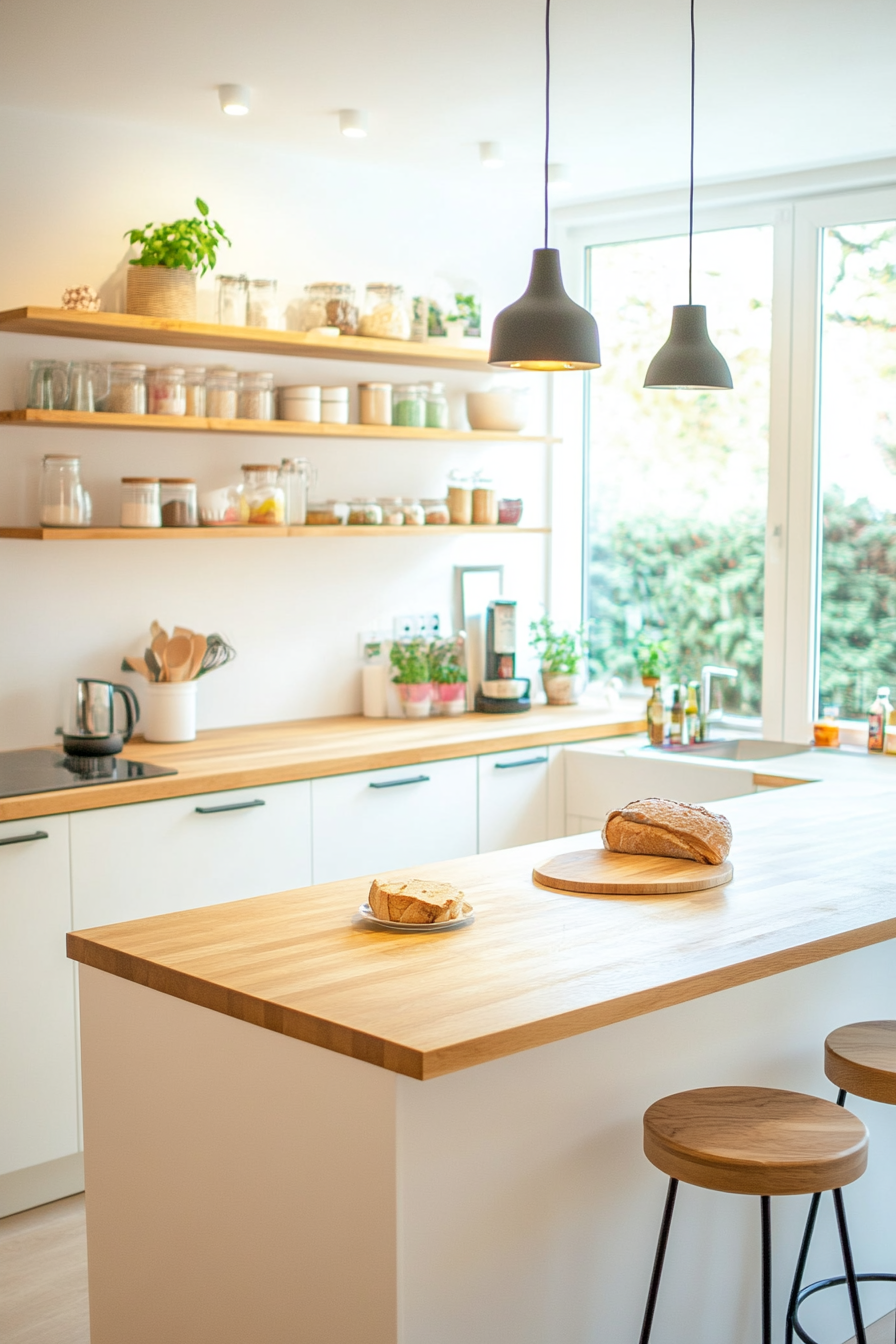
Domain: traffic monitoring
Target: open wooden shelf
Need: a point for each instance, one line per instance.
(430, 532)
(35, 321)
(283, 428)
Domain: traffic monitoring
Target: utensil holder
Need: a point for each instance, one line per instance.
(169, 711)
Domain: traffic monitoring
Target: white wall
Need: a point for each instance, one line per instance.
(293, 609)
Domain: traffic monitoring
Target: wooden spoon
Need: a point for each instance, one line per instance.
(159, 644)
(182, 630)
(198, 643)
(137, 665)
(177, 657)
(156, 629)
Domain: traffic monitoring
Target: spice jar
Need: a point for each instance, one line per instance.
(409, 405)
(63, 500)
(334, 405)
(294, 478)
(256, 396)
(460, 498)
(324, 513)
(436, 406)
(329, 305)
(195, 390)
(364, 513)
(140, 503)
(414, 513)
(510, 510)
(261, 306)
(300, 403)
(393, 511)
(264, 496)
(220, 393)
(375, 403)
(436, 511)
(179, 503)
(167, 391)
(385, 313)
(127, 390)
(485, 500)
(233, 297)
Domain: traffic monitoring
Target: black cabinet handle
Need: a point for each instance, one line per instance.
(397, 783)
(513, 765)
(231, 807)
(23, 839)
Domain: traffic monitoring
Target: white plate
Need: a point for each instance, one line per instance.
(459, 923)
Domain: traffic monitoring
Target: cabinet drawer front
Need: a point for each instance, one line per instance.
(179, 853)
(383, 819)
(38, 1114)
(513, 798)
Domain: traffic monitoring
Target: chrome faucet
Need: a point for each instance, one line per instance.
(706, 675)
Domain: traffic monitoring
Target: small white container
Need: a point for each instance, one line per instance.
(300, 403)
(500, 409)
(334, 405)
(168, 711)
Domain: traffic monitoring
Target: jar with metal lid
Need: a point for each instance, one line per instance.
(180, 507)
(195, 389)
(414, 513)
(409, 405)
(256, 396)
(393, 511)
(294, 478)
(63, 500)
(460, 498)
(264, 497)
(436, 512)
(167, 390)
(375, 403)
(485, 500)
(261, 307)
(334, 405)
(221, 393)
(436, 406)
(329, 305)
(324, 513)
(385, 313)
(127, 390)
(233, 300)
(364, 513)
(140, 501)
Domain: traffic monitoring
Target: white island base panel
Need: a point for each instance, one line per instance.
(247, 1188)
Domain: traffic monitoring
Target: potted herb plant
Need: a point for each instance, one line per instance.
(652, 658)
(562, 654)
(447, 659)
(412, 674)
(471, 310)
(162, 280)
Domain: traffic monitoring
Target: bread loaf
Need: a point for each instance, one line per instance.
(416, 901)
(668, 829)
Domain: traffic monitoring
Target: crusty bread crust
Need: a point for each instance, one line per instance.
(668, 829)
(417, 901)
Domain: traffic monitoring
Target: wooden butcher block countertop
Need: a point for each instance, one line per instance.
(276, 753)
(814, 876)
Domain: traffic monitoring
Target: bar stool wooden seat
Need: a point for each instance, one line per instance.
(754, 1141)
(860, 1060)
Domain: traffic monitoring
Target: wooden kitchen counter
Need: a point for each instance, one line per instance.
(815, 876)
(276, 753)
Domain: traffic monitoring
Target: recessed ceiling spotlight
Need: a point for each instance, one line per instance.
(559, 175)
(236, 99)
(491, 154)
(353, 123)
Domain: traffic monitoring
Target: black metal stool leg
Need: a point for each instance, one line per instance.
(801, 1267)
(765, 1205)
(849, 1268)
(660, 1256)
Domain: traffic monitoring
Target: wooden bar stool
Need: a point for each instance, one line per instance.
(755, 1141)
(859, 1059)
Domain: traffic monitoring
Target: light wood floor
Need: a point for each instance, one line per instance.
(43, 1275)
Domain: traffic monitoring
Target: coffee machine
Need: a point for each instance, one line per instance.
(502, 691)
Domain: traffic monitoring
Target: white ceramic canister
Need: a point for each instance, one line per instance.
(334, 405)
(168, 711)
(300, 403)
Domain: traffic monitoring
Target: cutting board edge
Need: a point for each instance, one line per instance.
(713, 875)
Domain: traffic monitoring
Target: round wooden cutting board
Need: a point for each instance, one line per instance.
(599, 872)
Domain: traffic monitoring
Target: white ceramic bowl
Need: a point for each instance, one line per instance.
(510, 688)
(503, 409)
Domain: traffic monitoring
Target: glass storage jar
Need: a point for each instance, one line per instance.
(375, 403)
(328, 304)
(127, 389)
(460, 498)
(63, 500)
(261, 306)
(140, 502)
(436, 511)
(385, 313)
(414, 513)
(436, 406)
(256, 396)
(324, 513)
(233, 300)
(195, 387)
(393, 511)
(334, 405)
(220, 393)
(225, 507)
(485, 500)
(178, 500)
(409, 405)
(510, 511)
(167, 390)
(364, 513)
(265, 498)
(294, 478)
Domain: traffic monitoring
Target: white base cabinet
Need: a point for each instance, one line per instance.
(513, 798)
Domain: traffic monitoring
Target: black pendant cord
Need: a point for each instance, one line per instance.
(691, 196)
(547, 108)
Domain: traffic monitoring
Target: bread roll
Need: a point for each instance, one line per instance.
(416, 901)
(668, 829)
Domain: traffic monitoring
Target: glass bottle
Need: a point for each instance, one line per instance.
(878, 718)
(295, 478)
(62, 497)
(436, 406)
(261, 306)
(233, 300)
(827, 729)
(692, 713)
(656, 718)
(676, 719)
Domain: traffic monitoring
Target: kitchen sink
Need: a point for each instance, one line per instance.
(733, 749)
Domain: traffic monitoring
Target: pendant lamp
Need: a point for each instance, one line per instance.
(545, 330)
(689, 359)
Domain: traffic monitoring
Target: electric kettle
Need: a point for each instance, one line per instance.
(89, 727)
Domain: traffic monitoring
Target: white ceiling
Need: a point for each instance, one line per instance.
(781, 83)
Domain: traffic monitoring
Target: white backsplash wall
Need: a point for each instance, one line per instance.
(292, 608)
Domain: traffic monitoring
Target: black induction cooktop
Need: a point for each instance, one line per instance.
(42, 770)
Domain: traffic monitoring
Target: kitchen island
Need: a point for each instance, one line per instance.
(298, 1127)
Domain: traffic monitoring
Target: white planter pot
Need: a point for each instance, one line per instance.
(168, 711)
(562, 688)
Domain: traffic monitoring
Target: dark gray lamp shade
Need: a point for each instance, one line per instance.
(545, 329)
(689, 358)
